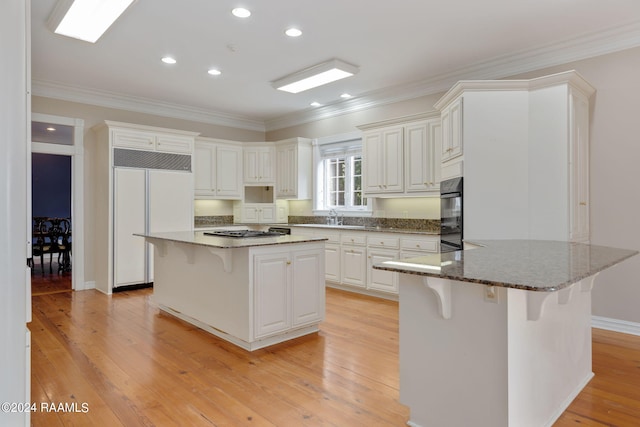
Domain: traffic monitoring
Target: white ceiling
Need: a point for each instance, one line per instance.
(404, 48)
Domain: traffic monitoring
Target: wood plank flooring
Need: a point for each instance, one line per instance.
(134, 366)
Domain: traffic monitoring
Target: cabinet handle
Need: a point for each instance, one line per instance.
(583, 203)
(288, 262)
(417, 245)
(382, 243)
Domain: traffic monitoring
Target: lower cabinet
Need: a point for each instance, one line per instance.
(354, 265)
(288, 290)
(332, 262)
(381, 280)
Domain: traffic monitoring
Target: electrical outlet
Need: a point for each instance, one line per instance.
(491, 294)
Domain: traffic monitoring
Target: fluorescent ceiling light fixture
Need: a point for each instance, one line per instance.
(315, 104)
(315, 76)
(241, 12)
(345, 96)
(168, 60)
(86, 19)
(293, 32)
(214, 72)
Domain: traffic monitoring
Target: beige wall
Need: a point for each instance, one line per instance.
(615, 150)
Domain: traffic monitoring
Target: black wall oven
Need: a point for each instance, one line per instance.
(451, 215)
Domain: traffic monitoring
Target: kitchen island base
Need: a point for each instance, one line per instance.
(476, 355)
(252, 296)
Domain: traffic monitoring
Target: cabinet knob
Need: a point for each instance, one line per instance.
(382, 243)
(417, 245)
(288, 262)
(583, 203)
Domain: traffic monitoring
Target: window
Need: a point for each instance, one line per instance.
(339, 176)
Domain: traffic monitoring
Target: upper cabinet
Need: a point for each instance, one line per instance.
(526, 156)
(402, 156)
(259, 164)
(218, 169)
(293, 169)
(147, 140)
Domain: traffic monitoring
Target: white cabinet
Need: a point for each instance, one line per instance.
(293, 169)
(261, 213)
(451, 118)
(382, 247)
(143, 184)
(148, 139)
(422, 141)
(259, 164)
(217, 170)
(578, 167)
(353, 259)
(288, 290)
(402, 156)
(382, 160)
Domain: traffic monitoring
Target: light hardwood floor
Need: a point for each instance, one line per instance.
(134, 366)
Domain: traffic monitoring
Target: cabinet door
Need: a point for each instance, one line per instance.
(286, 171)
(228, 172)
(271, 293)
(452, 122)
(578, 168)
(204, 161)
(381, 280)
(332, 263)
(136, 140)
(129, 216)
(174, 144)
(392, 160)
(259, 165)
(250, 214)
(420, 159)
(372, 162)
(267, 213)
(267, 165)
(307, 293)
(354, 265)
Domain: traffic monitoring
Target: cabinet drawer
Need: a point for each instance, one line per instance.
(427, 244)
(379, 240)
(138, 140)
(174, 144)
(357, 239)
(333, 236)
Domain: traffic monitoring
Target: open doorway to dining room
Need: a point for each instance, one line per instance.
(55, 211)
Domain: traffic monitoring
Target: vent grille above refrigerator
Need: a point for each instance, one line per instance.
(151, 160)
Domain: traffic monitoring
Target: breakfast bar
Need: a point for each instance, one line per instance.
(498, 335)
(253, 290)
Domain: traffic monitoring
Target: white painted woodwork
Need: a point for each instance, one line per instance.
(259, 165)
(422, 151)
(270, 294)
(332, 259)
(381, 280)
(526, 156)
(136, 200)
(217, 169)
(294, 169)
(508, 370)
(353, 260)
(382, 160)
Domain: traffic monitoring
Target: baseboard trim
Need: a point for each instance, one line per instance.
(615, 325)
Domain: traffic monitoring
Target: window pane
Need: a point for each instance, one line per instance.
(341, 184)
(341, 198)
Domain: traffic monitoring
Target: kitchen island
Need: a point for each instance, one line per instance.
(499, 335)
(252, 292)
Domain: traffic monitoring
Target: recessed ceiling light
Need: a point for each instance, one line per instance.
(86, 20)
(51, 129)
(168, 60)
(345, 96)
(214, 72)
(241, 12)
(293, 32)
(315, 104)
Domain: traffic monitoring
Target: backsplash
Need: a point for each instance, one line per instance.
(432, 225)
(213, 220)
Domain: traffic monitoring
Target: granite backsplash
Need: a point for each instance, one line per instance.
(430, 225)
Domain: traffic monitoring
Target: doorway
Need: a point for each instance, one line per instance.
(57, 151)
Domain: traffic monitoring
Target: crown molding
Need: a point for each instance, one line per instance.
(142, 105)
(583, 47)
(575, 49)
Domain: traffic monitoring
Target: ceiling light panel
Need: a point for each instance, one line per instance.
(315, 76)
(86, 20)
(241, 12)
(293, 32)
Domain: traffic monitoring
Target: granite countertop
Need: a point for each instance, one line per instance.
(533, 265)
(200, 239)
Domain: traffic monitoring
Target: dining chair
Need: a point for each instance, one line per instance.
(45, 236)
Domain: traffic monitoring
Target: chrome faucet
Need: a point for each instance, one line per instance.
(332, 219)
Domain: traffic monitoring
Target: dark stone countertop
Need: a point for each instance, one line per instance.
(533, 265)
(200, 239)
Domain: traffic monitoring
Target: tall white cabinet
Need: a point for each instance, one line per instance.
(522, 147)
(144, 184)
